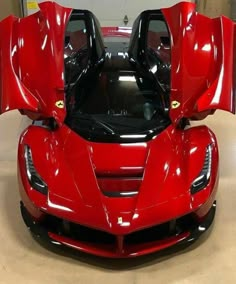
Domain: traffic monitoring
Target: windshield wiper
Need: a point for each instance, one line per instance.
(104, 125)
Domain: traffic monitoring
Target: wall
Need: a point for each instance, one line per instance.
(233, 10)
(8, 7)
(111, 13)
(214, 8)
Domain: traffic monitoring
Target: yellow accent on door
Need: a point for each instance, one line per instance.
(175, 104)
(59, 104)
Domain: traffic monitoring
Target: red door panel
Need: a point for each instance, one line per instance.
(31, 62)
(201, 62)
(14, 94)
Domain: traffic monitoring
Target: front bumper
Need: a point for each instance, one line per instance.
(181, 231)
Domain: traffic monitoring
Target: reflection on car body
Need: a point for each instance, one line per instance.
(111, 165)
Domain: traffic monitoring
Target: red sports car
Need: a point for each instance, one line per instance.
(111, 165)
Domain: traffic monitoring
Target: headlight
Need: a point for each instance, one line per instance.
(203, 178)
(34, 178)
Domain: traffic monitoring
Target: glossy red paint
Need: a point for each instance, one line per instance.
(28, 54)
(202, 61)
(78, 171)
(166, 180)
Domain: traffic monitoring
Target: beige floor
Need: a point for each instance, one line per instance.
(211, 260)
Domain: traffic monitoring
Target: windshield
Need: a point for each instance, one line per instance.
(116, 101)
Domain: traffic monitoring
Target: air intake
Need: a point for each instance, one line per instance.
(120, 184)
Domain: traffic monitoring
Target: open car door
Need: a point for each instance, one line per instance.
(32, 62)
(198, 54)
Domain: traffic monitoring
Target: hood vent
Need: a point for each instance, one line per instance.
(122, 183)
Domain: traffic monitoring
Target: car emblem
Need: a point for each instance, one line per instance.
(59, 104)
(120, 220)
(175, 104)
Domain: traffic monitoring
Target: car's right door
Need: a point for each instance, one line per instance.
(194, 59)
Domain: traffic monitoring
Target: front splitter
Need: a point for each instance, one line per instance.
(185, 240)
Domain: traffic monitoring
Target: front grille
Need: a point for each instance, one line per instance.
(162, 231)
(77, 232)
(85, 234)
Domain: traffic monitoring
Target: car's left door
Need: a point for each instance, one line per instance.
(31, 62)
